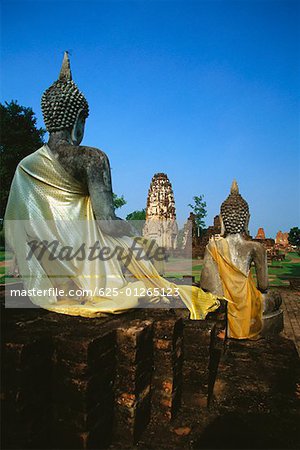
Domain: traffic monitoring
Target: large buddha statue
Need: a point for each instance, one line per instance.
(61, 224)
(227, 272)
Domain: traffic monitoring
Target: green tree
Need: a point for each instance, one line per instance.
(294, 237)
(19, 136)
(139, 217)
(118, 201)
(199, 209)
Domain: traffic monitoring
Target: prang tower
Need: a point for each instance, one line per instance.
(161, 222)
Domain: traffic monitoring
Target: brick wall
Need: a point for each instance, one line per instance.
(74, 383)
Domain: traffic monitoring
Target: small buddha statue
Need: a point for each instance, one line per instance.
(227, 272)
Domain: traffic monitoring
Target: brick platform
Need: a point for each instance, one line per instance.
(74, 383)
(151, 379)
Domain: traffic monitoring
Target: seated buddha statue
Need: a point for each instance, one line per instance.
(227, 272)
(61, 225)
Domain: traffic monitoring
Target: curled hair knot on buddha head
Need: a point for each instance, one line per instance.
(235, 212)
(62, 102)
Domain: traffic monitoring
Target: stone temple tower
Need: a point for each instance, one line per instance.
(161, 222)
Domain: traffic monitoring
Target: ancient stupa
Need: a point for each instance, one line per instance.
(161, 222)
(260, 234)
(282, 239)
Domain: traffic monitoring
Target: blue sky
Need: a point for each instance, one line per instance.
(205, 91)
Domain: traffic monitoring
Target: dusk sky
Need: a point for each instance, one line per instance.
(205, 91)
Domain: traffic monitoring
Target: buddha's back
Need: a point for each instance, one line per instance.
(243, 252)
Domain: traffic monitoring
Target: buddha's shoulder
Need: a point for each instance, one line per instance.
(92, 151)
(92, 154)
(255, 246)
(29, 159)
(82, 155)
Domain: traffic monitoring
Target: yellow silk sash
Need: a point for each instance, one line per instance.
(245, 300)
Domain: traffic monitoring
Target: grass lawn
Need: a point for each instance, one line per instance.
(2, 273)
(279, 271)
(4, 257)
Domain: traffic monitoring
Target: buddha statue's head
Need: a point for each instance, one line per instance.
(64, 107)
(234, 213)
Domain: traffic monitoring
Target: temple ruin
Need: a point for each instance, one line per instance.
(260, 234)
(194, 241)
(161, 224)
(282, 239)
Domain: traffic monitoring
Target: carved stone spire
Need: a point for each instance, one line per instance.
(65, 71)
(260, 234)
(160, 212)
(160, 202)
(234, 188)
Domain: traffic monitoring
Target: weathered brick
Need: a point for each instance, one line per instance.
(133, 381)
(198, 369)
(27, 351)
(167, 376)
(84, 348)
(132, 415)
(84, 419)
(135, 341)
(83, 370)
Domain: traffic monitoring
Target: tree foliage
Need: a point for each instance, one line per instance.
(137, 215)
(118, 201)
(294, 236)
(19, 136)
(200, 211)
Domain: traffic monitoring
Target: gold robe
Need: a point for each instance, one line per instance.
(48, 204)
(244, 299)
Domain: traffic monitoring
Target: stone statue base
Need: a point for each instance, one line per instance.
(272, 314)
(272, 323)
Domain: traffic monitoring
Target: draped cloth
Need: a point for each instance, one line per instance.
(47, 204)
(244, 299)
